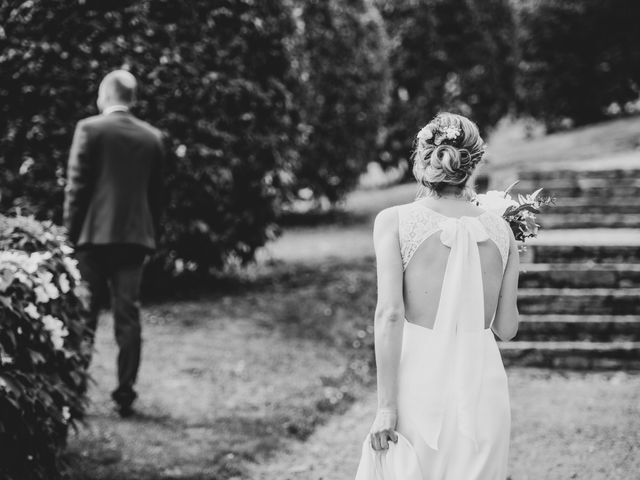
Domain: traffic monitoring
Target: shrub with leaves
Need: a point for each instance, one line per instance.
(340, 57)
(580, 59)
(214, 76)
(452, 55)
(44, 348)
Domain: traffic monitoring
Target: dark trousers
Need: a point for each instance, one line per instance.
(114, 273)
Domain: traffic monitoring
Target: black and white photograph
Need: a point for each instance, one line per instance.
(319, 240)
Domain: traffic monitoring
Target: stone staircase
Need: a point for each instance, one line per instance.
(579, 295)
(588, 199)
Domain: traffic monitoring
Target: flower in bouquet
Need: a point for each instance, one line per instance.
(496, 201)
(520, 213)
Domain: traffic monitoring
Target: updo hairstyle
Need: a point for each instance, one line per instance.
(447, 150)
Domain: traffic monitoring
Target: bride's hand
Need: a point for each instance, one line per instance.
(383, 429)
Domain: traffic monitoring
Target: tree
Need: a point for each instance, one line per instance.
(453, 55)
(215, 76)
(578, 58)
(340, 56)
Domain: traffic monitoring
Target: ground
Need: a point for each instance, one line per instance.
(565, 425)
(270, 376)
(228, 379)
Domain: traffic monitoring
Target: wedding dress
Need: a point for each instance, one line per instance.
(453, 401)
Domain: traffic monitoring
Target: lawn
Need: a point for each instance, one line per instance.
(601, 141)
(228, 378)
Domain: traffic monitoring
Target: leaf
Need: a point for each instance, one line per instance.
(510, 187)
(513, 211)
(6, 301)
(535, 194)
(36, 357)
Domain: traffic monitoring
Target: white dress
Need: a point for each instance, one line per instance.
(453, 401)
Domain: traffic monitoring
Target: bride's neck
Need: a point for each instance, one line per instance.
(450, 193)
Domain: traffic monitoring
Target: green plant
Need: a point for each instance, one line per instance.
(340, 56)
(44, 348)
(447, 55)
(580, 59)
(214, 76)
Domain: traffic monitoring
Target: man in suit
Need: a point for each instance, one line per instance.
(111, 212)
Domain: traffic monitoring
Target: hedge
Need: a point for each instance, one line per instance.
(579, 57)
(215, 76)
(452, 55)
(44, 348)
(340, 57)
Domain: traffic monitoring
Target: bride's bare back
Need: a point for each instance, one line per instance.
(424, 270)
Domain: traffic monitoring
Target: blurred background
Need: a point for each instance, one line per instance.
(290, 125)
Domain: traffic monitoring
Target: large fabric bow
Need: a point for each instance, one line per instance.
(458, 333)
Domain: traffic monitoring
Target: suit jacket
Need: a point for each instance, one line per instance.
(114, 182)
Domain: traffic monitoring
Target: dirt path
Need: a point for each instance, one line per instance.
(331, 453)
(580, 425)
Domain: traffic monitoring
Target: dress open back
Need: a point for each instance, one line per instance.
(453, 401)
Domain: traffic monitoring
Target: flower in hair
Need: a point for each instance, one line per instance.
(438, 133)
(426, 133)
(451, 132)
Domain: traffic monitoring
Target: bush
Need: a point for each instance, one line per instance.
(44, 348)
(340, 52)
(579, 57)
(214, 75)
(453, 55)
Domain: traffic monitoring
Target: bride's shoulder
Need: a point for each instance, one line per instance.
(387, 220)
(389, 215)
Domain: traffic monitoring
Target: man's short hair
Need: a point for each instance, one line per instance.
(121, 84)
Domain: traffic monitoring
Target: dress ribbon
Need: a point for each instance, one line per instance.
(458, 334)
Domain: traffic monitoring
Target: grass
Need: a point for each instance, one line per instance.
(346, 238)
(599, 141)
(226, 379)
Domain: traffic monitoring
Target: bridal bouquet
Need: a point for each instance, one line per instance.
(520, 213)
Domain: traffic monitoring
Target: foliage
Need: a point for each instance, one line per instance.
(339, 55)
(452, 55)
(43, 348)
(578, 58)
(214, 76)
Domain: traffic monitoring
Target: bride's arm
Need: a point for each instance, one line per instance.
(505, 325)
(389, 324)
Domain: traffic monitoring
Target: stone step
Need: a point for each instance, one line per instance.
(607, 205)
(614, 174)
(560, 253)
(572, 355)
(598, 328)
(579, 275)
(573, 301)
(589, 220)
(582, 183)
(596, 193)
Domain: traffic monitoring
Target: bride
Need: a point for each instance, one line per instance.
(447, 281)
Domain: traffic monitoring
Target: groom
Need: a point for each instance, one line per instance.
(111, 212)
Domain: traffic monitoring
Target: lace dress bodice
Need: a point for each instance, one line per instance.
(417, 222)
